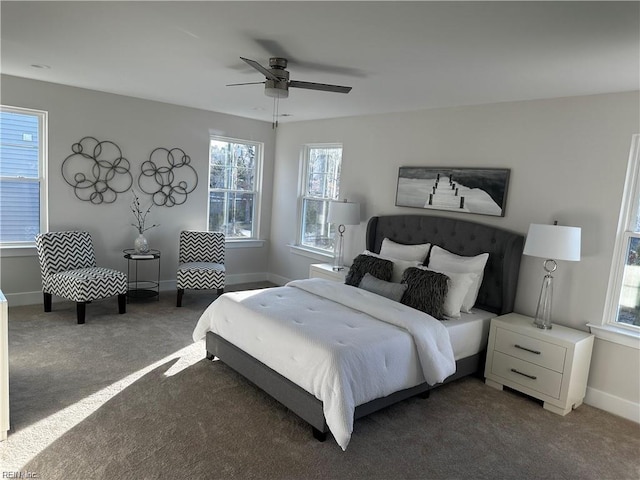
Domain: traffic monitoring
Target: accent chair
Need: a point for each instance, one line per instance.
(200, 262)
(68, 268)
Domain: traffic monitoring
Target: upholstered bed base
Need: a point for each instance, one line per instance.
(301, 402)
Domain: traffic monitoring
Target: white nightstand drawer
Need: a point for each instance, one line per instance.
(527, 374)
(531, 349)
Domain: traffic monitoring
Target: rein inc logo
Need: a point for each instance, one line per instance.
(20, 475)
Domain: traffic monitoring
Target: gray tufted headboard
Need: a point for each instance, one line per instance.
(498, 291)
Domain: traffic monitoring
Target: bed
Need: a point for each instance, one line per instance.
(291, 383)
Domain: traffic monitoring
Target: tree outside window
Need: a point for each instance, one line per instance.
(321, 185)
(623, 299)
(233, 191)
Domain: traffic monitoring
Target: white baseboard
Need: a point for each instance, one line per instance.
(24, 298)
(277, 279)
(612, 404)
(34, 298)
(167, 285)
(247, 278)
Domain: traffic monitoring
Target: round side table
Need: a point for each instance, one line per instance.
(140, 289)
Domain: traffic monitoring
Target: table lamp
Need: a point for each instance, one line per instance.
(552, 242)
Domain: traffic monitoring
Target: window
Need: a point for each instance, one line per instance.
(623, 298)
(234, 179)
(320, 185)
(23, 207)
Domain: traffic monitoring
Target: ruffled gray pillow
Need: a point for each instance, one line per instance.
(378, 267)
(426, 291)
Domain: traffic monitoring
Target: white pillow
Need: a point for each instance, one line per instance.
(399, 266)
(459, 284)
(442, 259)
(391, 249)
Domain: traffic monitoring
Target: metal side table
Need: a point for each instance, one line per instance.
(137, 288)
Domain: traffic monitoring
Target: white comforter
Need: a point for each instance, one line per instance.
(342, 344)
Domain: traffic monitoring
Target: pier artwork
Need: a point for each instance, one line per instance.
(446, 194)
(481, 191)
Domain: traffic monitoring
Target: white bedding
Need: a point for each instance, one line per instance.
(469, 333)
(342, 344)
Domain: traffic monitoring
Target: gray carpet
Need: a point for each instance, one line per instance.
(130, 396)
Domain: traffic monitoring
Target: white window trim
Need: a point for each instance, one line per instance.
(298, 248)
(316, 254)
(244, 243)
(253, 241)
(19, 249)
(609, 329)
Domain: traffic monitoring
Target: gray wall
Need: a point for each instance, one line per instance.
(137, 127)
(567, 158)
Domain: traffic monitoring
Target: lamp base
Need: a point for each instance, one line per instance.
(338, 262)
(543, 312)
(540, 324)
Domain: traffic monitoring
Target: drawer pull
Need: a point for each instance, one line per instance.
(532, 377)
(527, 349)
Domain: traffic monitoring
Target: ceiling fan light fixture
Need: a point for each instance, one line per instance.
(276, 89)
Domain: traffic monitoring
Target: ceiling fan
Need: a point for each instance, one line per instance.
(277, 81)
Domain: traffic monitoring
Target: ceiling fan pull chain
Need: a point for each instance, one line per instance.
(276, 106)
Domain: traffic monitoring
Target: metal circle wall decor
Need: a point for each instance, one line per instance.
(168, 184)
(97, 171)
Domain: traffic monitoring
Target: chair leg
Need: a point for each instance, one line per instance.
(179, 299)
(80, 309)
(47, 301)
(122, 303)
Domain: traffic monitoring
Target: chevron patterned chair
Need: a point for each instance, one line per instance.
(68, 268)
(201, 262)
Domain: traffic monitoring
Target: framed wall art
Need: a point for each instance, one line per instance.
(469, 190)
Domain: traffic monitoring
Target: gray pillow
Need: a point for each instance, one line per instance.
(378, 267)
(426, 291)
(391, 290)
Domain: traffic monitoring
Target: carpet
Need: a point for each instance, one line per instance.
(131, 396)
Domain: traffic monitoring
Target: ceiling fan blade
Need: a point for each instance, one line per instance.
(276, 49)
(245, 83)
(273, 48)
(319, 86)
(260, 68)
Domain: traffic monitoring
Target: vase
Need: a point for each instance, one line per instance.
(141, 245)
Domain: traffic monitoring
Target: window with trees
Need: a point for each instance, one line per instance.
(234, 180)
(22, 175)
(320, 185)
(623, 300)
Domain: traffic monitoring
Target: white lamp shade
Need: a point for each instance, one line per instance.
(553, 242)
(344, 213)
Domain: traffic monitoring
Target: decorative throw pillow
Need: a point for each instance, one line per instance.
(459, 284)
(393, 291)
(399, 266)
(426, 291)
(401, 251)
(444, 260)
(378, 267)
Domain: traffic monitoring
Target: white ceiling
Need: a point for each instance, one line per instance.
(397, 56)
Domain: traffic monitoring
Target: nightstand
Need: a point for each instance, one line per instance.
(326, 271)
(550, 365)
